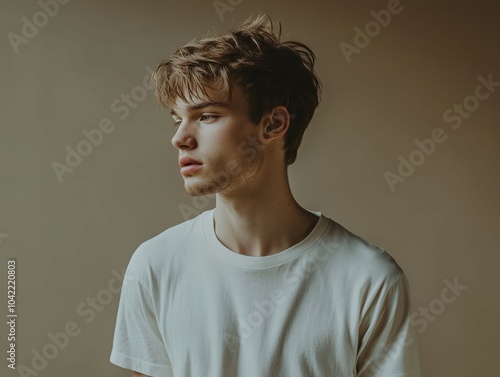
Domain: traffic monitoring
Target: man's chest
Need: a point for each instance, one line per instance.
(223, 322)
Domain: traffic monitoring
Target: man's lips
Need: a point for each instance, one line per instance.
(191, 168)
(185, 161)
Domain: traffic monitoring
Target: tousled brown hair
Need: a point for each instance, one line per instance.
(271, 73)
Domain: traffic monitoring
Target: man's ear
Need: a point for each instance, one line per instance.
(277, 123)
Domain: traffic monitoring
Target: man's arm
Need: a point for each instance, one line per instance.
(137, 342)
(389, 344)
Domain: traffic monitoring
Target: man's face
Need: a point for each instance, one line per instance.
(223, 139)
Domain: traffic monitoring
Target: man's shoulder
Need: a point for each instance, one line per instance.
(177, 234)
(359, 257)
(168, 244)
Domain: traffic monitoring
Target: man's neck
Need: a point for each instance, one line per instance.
(263, 226)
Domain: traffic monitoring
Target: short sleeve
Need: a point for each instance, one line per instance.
(388, 344)
(137, 342)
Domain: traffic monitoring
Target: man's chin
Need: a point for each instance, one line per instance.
(195, 193)
(199, 190)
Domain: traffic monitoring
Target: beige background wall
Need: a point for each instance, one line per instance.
(72, 236)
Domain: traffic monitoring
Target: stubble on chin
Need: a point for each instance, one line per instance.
(202, 188)
(226, 183)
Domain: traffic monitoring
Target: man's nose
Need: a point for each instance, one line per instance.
(184, 135)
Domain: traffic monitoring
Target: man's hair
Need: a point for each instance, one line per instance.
(270, 72)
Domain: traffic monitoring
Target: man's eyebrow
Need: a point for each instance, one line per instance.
(201, 105)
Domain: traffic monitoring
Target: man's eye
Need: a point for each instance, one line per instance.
(203, 117)
(176, 123)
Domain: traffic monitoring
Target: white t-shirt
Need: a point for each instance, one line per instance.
(333, 304)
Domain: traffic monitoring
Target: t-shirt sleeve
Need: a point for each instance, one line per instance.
(137, 342)
(388, 345)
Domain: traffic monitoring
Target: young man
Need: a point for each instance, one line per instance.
(257, 286)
